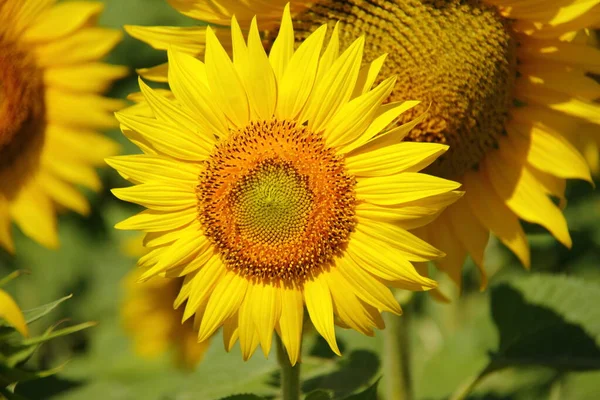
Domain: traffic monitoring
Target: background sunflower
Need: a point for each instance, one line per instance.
(450, 344)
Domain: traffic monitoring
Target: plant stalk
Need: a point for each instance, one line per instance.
(290, 375)
(397, 365)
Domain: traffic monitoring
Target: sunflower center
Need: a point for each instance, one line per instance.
(21, 104)
(276, 201)
(271, 204)
(457, 55)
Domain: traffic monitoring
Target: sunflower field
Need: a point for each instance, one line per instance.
(305, 199)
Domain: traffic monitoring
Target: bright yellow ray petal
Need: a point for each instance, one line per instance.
(158, 221)
(290, 322)
(143, 168)
(335, 89)
(366, 287)
(283, 46)
(186, 81)
(390, 160)
(266, 311)
(167, 138)
(404, 242)
(402, 188)
(160, 197)
(225, 85)
(320, 309)
(299, 77)
(224, 301)
(354, 117)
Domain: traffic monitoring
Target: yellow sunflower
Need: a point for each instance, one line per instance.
(508, 85)
(50, 107)
(271, 182)
(149, 318)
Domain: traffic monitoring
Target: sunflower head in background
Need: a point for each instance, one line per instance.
(149, 318)
(272, 182)
(50, 109)
(509, 91)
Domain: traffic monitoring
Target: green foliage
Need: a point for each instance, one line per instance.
(15, 349)
(547, 320)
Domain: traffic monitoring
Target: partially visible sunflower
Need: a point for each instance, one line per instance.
(155, 327)
(50, 107)
(11, 313)
(507, 80)
(271, 182)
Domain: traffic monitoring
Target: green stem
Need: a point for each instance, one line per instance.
(290, 375)
(396, 342)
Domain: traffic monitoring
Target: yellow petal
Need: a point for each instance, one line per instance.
(354, 117)
(160, 197)
(290, 322)
(167, 138)
(11, 313)
(34, 213)
(265, 306)
(493, 213)
(320, 309)
(410, 246)
(335, 89)
(187, 83)
(283, 46)
(89, 44)
(224, 301)
(402, 188)
(225, 85)
(524, 195)
(366, 287)
(297, 82)
(157, 221)
(390, 160)
(190, 40)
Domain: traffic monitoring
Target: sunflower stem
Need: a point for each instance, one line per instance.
(396, 342)
(290, 375)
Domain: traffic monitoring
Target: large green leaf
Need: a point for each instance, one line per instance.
(547, 320)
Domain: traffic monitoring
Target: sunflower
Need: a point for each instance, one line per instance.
(271, 182)
(50, 106)
(154, 326)
(509, 90)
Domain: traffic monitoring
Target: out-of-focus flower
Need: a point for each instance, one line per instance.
(155, 326)
(50, 107)
(271, 182)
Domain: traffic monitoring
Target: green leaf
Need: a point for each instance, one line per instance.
(368, 394)
(49, 335)
(36, 313)
(11, 276)
(574, 299)
(245, 396)
(547, 320)
(318, 395)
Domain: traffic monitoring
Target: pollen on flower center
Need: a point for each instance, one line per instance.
(276, 201)
(22, 107)
(457, 55)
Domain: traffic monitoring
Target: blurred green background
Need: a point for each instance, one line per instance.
(523, 319)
